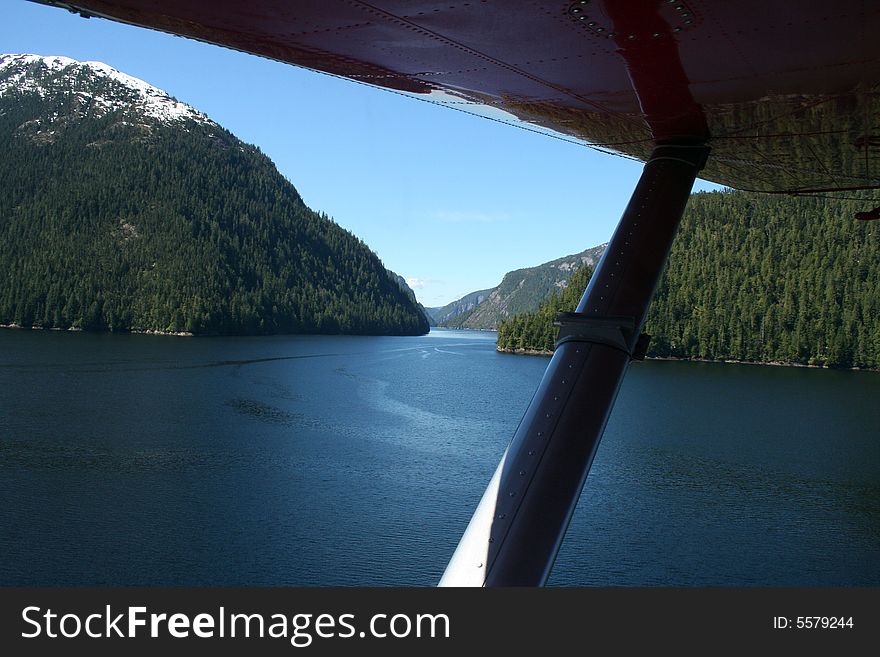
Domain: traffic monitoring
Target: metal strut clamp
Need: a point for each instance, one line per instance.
(617, 332)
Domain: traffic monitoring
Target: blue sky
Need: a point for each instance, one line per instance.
(448, 200)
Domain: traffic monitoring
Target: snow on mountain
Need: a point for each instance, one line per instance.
(98, 86)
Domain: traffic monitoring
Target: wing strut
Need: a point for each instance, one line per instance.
(518, 526)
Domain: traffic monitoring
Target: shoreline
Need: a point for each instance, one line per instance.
(187, 334)
(513, 352)
(732, 361)
(524, 352)
(74, 329)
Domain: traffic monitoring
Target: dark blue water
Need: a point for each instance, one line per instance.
(358, 461)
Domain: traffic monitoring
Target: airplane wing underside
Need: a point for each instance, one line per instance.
(786, 93)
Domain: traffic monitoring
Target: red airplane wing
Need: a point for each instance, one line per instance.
(785, 93)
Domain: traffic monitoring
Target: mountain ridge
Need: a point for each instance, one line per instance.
(138, 95)
(441, 314)
(521, 290)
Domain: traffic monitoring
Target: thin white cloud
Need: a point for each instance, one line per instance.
(468, 216)
(417, 283)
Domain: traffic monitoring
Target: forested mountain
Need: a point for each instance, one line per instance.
(520, 291)
(124, 209)
(761, 278)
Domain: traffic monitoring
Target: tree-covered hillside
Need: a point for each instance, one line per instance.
(534, 331)
(113, 219)
(767, 278)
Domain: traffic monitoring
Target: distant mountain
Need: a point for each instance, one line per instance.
(440, 316)
(535, 332)
(125, 209)
(520, 291)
